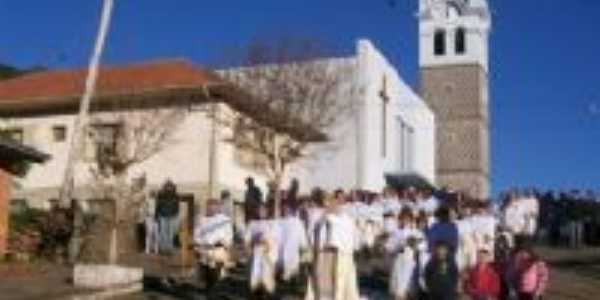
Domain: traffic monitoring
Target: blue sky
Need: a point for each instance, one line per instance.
(545, 79)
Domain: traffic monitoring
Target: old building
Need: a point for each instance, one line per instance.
(39, 109)
(453, 42)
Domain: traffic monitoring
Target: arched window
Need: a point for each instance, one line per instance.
(439, 42)
(460, 42)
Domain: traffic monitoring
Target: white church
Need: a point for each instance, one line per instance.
(391, 131)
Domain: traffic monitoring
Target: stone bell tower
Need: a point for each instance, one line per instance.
(453, 61)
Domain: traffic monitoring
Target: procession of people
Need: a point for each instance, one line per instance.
(434, 245)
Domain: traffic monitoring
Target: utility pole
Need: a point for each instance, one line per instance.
(68, 184)
(66, 191)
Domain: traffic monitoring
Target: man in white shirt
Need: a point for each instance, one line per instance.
(213, 237)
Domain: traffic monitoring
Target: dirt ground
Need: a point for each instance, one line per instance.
(575, 275)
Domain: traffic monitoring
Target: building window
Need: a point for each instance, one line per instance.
(460, 41)
(439, 42)
(406, 147)
(59, 133)
(105, 139)
(13, 134)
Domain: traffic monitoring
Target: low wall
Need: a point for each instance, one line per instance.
(4, 210)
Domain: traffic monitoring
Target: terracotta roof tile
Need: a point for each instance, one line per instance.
(111, 80)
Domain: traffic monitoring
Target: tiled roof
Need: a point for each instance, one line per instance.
(171, 81)
(52, 85)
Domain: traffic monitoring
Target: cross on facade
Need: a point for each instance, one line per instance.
(383, 94)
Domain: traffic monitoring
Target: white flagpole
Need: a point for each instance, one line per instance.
(66, 191)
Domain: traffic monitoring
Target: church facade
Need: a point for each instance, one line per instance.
(454, 81)
(391, 130)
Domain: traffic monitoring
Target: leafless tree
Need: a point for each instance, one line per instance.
(307, 95)
(119, 140)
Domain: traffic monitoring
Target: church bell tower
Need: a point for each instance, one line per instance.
(453, 61)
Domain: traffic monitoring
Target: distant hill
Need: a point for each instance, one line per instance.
(8, 71)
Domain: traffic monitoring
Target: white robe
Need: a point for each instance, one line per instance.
(466, 254)
(343, 237)
(531, 210)
(314, 215)
(262, 238)
(484, 229)
(405, 266)
(292, 243)
(370, 224)
(403, 281)
(210, 231)
(513, 218)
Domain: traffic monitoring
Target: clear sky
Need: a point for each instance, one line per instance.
(545, 79)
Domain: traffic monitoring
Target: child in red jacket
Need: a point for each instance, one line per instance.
(483, 282)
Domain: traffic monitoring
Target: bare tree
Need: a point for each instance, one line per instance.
(120, 140)
(306, 95)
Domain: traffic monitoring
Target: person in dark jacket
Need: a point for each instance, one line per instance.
(252, 199)
(441, 274)
(167, 214)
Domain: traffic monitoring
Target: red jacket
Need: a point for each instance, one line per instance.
(483, 282)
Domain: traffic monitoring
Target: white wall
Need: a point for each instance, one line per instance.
(185, 161)
(354, 157)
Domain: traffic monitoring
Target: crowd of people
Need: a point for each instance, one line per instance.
(433, 245)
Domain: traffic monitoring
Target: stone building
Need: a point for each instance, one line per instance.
(453, 42)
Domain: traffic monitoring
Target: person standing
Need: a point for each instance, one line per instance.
(483, 281)
(261, 240)
(213, 237)
(292, 246)
(167, 214)
(253, 198)
(148, 217)
(334, 273)
(441, 274)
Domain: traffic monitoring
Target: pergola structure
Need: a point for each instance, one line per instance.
(11, 155)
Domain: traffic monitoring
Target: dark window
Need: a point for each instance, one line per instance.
(460, 42)
(59, 133)
(439, 42)
(14, 134)
(105, 137)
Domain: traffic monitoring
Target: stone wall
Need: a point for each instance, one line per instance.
(459, 96)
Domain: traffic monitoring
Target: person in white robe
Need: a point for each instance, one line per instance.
(334, 275)
(372, 222)
(292, 244)
(513, 217)
(484, 228)
(261, 240)
(466, 255)
(213, 238)
(404, 246)
(532, 210)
